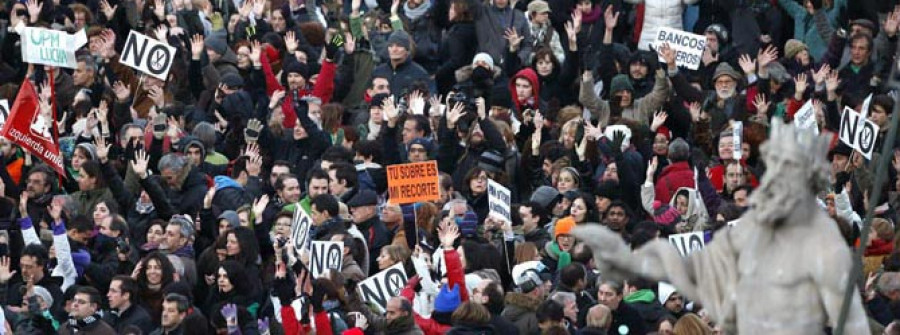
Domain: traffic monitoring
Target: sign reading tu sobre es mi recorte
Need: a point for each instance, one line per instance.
(413, 182)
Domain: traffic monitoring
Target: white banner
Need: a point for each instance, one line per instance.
(865, 107)
(858, 133)
(737, 134)
(378, 289)
(499, 199)
(688, 47)
(148, 55)
(688, 242)
(300, 229)
(326, 255)
(50, 47)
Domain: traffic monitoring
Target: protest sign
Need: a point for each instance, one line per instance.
(865, 107)
(34, 129)
(326, 255)
(688, 47)
(4, 112)
(688, 242)
(147, 55)
(413, 182)
(50, 47)
(300, 229)
(805, 118)
(499, 199)
(737, 134)
(378, 289)
(858, 133)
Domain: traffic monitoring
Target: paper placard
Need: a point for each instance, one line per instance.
(300, 229)
(805, 118)
(858, 133)
(50, 47)
(413, 182)
(737, 133)
(326, 255)
(688, 242)
(378, 289)
(688, 47)
(499, 199)
(147, 55)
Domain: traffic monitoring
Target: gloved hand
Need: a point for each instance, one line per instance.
(229, 312)
(252, 131)
(616, 145)
(331, 50)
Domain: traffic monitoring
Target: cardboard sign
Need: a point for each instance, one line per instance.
(33, 129)
(865, 107)
(326, 255)
(147, 55)
(300, 229)
(737, 132)
(413, 182)
(4, 112)
(858, 133)
(378, 289)
(805, 118)
(688, 242)
(50, 47)
(499, 199)
(688, 47)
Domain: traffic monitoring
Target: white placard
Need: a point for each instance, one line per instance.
(858, 133)
(378, 289)
(147, 55)
(50, 47)
(326, 255)
(737, 133)
(805, 118)
(865, 107)
(688, 47)
(499, 199)
(688, 242)
(300, 229)
(4, 111)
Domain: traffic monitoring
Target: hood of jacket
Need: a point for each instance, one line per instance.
(532, 77)
(645, 296)
(223, 182)
(520, 303)
(465, 73)
(697, 216)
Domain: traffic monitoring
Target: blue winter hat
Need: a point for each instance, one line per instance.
(447, 300)
(468, 224)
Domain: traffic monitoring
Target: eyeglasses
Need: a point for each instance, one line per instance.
(412, 150)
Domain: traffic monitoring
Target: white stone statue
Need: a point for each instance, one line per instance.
(781, 270)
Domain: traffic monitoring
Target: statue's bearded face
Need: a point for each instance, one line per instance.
(777, 195)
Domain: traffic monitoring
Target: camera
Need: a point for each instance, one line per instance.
(461, 97)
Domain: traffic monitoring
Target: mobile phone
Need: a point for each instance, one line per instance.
(579, 133)
(21, 12)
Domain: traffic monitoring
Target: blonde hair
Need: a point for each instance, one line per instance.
(883, 228)
(397, 253)
(570, 127)
(599, 316)
(525, 252)
(691, 324)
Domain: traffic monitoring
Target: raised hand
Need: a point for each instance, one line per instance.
(832, 81)
(252, 131)
(481, 106)
(668, 54)
(800, 84)
(102, 149)
(820, 75)
(389, 110)
(454, 114)
(651, 168)
(708, 57)
(23, 203)
(591, 131)
(108, 47)
(229, 312)
(892, 22)
(581, 147)
(395, 6)
(538, 121)
(197, 47)
(34, 9)
(659, 118)
(208, 199)
(259, 206)
(767, 56)
(5, 272)
(448, 232)
(762, 106)
(290, 41)
(349, 43)
(245, 9)
(572, 33)
(55, 211)
(156, 94)
(262, 325)
(258, 7)
(140, 163)
(417, 103)
(512, 36)
(108, 11)
(611, 18)
(748, 65)
(694, 108)
(159, 9)
(162, 33)
(435, 102)
(121, 91)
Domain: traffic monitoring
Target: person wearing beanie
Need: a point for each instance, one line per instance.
(420, 149)
(641, 66)
(557, 254)
(221, 58)
(796, 50)
(722, 104)
(400, 70)
(622, 102)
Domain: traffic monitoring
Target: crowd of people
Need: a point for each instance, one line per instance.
(178, 205)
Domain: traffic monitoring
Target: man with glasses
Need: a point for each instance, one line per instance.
(39, 185)
(719, 106)
(83, 316)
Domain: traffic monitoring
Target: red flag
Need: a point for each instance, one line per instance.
(33, 130)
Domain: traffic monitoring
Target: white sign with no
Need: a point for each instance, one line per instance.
(326, 255)
(378, 289)
(858, 133)
(147, 55)
(688, 242)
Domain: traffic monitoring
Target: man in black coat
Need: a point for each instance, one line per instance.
(491, 295)
(365, 217)
(610, 294)
(123, 311)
